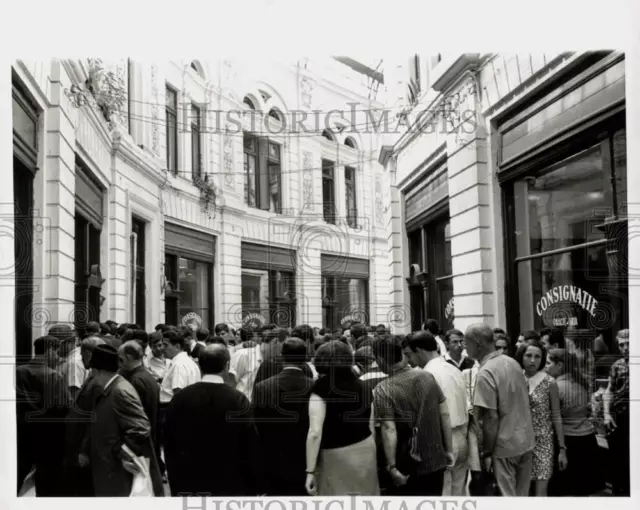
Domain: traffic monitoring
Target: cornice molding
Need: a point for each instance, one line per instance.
(465, 62)
(124, 148)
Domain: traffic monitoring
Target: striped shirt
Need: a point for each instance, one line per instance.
(412, 399)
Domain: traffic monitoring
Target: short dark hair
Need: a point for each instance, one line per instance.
(294, 351)
(141, 336)
(216, 340)
(500, 331)
(451, 332)
(531, 335)
(186, 332)
(421, 340)
(557, 338)
(304, 332)
(221, 328)
(545, 331)
(213, 359)
(323, 331)
(174, 338)
(502, 336)
(42, 344)
(431, 325)
(388, 348)
(357, 330)
(269, 336)
(127, 334)
(202, 334)
(154, 337)
(333, 356)
(532, 343)
(93, 328)
(105, 329)
(162, 327)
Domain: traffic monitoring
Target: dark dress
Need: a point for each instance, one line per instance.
(211, 442)
(281, 413)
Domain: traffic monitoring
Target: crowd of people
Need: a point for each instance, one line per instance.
(307, 411)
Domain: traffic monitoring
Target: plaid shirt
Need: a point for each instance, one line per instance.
(619, 384)
(412, 398)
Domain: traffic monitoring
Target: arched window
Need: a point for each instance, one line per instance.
(197, 68)
(328, 135)
(249, 103)
(265, 95)
(350, 142)
(275, 114)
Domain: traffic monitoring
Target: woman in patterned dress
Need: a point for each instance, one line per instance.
(545, 413)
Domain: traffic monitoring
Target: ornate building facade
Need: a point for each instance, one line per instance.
(508, 195)
(154, 192)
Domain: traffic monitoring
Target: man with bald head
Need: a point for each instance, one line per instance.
(130, 356)
(501, 408)
(210, 439)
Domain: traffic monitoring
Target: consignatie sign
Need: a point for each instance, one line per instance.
(192, 320)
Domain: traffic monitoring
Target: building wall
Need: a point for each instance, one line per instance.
(495, 84)
(131, 169)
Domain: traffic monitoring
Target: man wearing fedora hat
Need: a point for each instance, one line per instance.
(119, 419)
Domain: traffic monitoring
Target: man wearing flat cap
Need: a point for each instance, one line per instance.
(119, 419)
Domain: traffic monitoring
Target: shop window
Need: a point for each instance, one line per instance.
(350, 196)
(328, 191)
(344, 300)
(268, 296)
(262, 174)
(189, 289)
(196, 141)
(440, 271)
(171, 110)
(25, 157)
(88, 281)
(562, 266)
(138, 286)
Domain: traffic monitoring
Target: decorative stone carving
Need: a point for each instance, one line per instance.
(107, 86)
(307, 181)
(379, 213)
(229, 175)
(155, 135)
(306, 92)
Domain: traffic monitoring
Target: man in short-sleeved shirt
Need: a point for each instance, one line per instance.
(501, 403)
(411, 401)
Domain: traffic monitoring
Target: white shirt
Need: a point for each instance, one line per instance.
(212, 378)
(441, 346)
(450, 380)
(244, 366)
(73, 369)
(181, 373)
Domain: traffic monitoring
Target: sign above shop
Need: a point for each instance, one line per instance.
(449, 309)
(567, 294)
(192, 320)
(253, 320)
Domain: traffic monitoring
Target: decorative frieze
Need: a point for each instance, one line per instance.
(229, 175)
(155, 135)
(306, 92)
(379, 212)
(307, 181)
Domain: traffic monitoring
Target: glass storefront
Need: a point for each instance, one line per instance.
(188, 270)
(345, 301)
(268, 286)
(562, 264)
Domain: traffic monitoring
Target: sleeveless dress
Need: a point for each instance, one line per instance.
(540, 403)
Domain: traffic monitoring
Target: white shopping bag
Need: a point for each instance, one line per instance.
(28, 489)
(142, 485)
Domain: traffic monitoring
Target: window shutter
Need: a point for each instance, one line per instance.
(263, 174)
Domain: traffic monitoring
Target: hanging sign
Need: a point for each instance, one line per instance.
(192, 320)
(253, 320)
(449, 309)
(567, 294)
